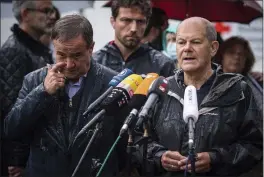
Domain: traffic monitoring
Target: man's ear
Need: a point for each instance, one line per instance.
(214, 48)
(24, 14)
(91, 48)
(112, 21)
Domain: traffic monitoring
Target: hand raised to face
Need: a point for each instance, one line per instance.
(54, 79)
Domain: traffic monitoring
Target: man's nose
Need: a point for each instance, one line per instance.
(52, 15)
(187, 47)
(70, 64)
(133, 26)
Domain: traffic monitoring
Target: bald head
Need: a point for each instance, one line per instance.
(208, 27)
(196, 45)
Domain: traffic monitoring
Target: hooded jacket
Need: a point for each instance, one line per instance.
(229, 126)
(144, 60)
(38, 118)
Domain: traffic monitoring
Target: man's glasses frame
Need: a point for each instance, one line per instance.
(47, 11)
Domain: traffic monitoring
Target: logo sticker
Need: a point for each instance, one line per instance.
(123, 72)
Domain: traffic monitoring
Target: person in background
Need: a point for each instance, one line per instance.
(49, 110)
(228, 136)
(157, 24)
(20, 54)
(236, 56)
(129, 20)
(45, 39)
(170, 43)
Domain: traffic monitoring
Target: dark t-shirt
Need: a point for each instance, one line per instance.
(203, 91)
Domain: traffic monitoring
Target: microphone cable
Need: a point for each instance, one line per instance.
(108, 155)
(185, 171)
(191, 158)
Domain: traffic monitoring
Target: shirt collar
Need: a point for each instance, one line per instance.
(207, 82)
(79, 82)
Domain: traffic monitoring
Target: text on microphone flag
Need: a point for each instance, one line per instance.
(123, 72)
(132, 81)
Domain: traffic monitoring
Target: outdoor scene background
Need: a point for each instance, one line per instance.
(103, 32)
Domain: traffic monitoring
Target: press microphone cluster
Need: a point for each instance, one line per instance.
(190, 111)
(116, 100)
(137, 101)
(121, 95)
(130, 92)
(157, 90)
(113, 83)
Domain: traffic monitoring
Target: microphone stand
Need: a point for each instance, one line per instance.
(130, 150)
(97, 128)
(144, 140)
(145, 147)
(192, 154)
(97, 118)
(192, 159)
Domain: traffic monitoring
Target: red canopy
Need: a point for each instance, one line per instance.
(241, 11)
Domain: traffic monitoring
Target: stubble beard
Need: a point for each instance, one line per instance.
(40, 30)
(130, 44)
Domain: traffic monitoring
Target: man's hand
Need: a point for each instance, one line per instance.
(15, 171)
(54, 79)
(202, 164)
(170, 160)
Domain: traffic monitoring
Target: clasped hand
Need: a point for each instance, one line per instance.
(174, 161)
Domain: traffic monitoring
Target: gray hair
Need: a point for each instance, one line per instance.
(71, 26)
(18, 5)
(211, 33)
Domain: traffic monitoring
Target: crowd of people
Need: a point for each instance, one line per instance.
(50, 74)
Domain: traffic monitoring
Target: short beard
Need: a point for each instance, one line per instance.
(131, 45)
(39, 30)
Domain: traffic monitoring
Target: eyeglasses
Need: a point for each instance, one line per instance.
(47, 11)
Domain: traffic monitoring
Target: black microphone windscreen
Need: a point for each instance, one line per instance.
(137, 101)
(114, 102)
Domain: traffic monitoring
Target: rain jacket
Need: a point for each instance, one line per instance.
(36, 118)
(144, 60)
(229, 126)
(19, 55)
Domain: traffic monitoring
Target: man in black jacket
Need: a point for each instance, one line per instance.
(129, 20)
(228, 134)
(21, 54)
(50, 106)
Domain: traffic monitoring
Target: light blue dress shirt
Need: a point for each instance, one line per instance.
(73, 87)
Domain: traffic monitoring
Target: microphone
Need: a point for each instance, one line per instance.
(190, 111)
(121, 95)
(137, 101)
(157, 90)
(118, 98)
(113, 83)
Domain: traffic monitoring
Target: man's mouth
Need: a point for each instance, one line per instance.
(188, 59)
(132, 37)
